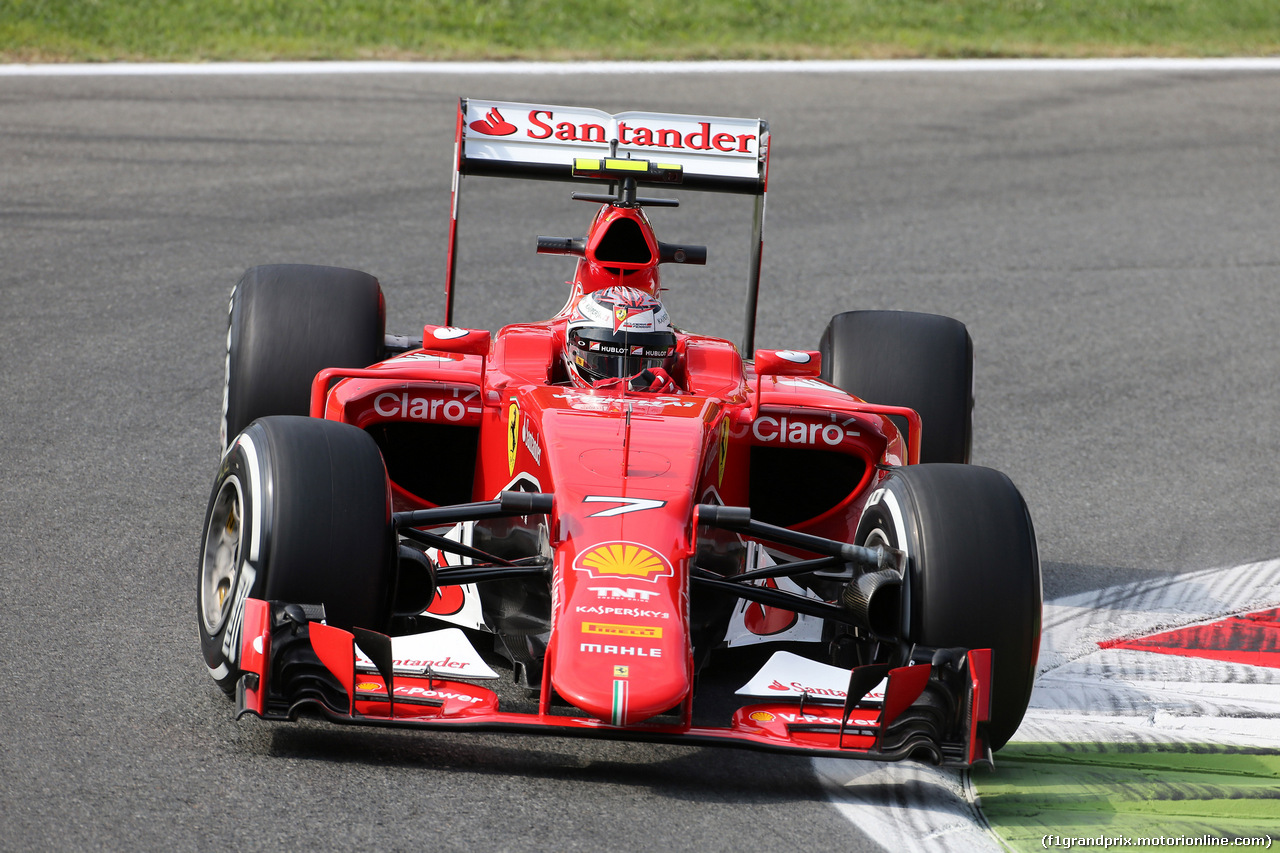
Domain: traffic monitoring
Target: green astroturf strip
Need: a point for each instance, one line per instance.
(1131, 791)
(185, 30)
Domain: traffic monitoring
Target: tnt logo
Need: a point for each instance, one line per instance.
(617, 593)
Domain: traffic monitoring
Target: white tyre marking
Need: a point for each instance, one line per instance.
(255, 489)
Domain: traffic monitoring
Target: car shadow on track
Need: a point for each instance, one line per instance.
(686, 773)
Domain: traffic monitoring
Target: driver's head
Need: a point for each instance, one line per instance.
(617, 332)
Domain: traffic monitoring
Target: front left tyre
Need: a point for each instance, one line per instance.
(300, 512)
(973, 572)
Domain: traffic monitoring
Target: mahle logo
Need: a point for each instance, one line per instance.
(623, 559)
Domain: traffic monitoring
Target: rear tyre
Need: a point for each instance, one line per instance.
(902, 358)
(973, 572)
(300, 512)
(286, 323)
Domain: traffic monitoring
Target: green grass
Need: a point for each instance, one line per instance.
(202, 30)
(1132, 791)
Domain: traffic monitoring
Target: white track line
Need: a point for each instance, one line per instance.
(1084, 693)
(855, 66)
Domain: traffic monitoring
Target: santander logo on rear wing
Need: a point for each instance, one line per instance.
(505, 139)
(502, 138)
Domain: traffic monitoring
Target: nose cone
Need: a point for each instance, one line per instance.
(622, 649)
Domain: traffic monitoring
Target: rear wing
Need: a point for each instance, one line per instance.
(540, 142)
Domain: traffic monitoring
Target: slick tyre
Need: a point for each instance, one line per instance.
(902, 358)
(973, 572)
(300, 512)
(286, 323)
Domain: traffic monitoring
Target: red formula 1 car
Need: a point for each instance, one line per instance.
(656, 538)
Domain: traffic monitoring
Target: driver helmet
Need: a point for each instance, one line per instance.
(616, 333)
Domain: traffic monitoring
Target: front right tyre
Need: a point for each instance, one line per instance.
(905, 358)
(300, 512)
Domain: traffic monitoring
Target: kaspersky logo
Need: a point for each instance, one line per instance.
(623, 560)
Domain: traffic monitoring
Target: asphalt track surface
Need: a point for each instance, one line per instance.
(1111, 239)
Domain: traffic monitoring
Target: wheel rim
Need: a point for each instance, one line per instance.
(878, 537)
(220, 561)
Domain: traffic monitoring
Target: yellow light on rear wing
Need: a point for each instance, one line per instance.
(615, 169)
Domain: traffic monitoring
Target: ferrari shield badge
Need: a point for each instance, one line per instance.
(513, 436)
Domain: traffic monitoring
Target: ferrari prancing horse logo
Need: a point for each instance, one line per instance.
(513, 436)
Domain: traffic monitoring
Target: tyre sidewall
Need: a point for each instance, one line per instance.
(973, 572)
(245, 467)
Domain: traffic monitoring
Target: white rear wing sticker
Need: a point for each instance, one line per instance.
(790, 676)
(501, 138)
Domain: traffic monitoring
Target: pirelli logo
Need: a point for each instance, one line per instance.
(610, 630)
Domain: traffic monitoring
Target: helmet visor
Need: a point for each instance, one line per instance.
(600, 354)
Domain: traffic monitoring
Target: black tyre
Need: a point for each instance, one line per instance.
(973, 572)
(300, 512)
(286, 323)
(902, 358)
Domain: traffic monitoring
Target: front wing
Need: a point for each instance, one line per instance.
(291, 665)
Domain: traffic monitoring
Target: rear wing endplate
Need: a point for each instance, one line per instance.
(540, 142)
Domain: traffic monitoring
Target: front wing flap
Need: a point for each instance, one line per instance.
(930, 712)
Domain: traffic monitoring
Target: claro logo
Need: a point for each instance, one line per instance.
(772, 430)
(404, 404)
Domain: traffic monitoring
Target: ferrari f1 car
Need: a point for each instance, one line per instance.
(618, 514)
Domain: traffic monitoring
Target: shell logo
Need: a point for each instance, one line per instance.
(762, 717)
(623, 559)
(369, 686)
